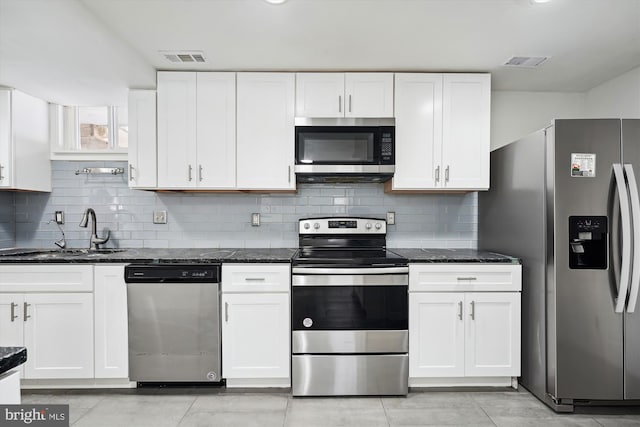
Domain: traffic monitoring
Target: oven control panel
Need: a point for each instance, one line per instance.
(342, 226)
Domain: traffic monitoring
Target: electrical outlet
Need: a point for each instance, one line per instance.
(391, 218)
(59, 217)
(159, 217)
(255, 219)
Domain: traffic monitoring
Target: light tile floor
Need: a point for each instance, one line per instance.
(219, 407)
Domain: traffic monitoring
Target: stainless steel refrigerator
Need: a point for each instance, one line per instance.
(565, 200)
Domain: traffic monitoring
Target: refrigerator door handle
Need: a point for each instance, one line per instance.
(635, 210)
(625, 212)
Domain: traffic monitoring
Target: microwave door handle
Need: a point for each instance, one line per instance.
(635, 211)
(625, 212)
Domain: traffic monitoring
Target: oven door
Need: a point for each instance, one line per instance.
(343, 302)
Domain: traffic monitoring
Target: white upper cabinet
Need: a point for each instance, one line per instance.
(24, 142)
(344, 95)
(196, 130)
(143, 167)
(442, 131)
(265, 131)
(466, 115)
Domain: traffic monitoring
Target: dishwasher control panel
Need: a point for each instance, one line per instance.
(172, 273)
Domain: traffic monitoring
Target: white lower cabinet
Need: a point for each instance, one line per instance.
(111, 328)
(460, 337)
(256, 327)
(56, 329)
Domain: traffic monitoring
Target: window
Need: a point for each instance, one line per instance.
(89, 131)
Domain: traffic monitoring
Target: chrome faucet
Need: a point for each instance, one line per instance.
(95, 240)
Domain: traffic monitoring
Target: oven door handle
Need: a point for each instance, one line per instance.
(350, 271)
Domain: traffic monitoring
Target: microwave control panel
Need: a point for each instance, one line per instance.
(386, 145)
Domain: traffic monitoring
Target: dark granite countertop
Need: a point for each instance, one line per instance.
(175, 255)
(10, 357)
(453, 255)
(215, 255)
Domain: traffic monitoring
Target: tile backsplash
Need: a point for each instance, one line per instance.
(7, 219)
(224, 219)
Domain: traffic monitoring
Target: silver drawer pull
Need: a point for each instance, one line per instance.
(14, 316)
(26, 310)
(467, 278)
(254, 279)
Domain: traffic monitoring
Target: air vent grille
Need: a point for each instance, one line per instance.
(190, 56)
(525, 61)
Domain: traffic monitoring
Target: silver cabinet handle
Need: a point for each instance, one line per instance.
(446, 174)
(473, 310)
(190, 173)
(14, 316)
(130, 172)
(438, 174)
(254, 279)
(226, 311)
(339, 103)
(1, 169)
(289, 175)
(349, 103)
(200, 173)
(467, 278)
(460, 310)
(26, 310)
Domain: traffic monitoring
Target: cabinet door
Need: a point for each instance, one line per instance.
(176, 129)
(418, 99)
(368, 94)
(465, 135)
(58, 334)
(255, 336)
(320, 95)
(492, 334)
(216, 130)
(143, 167)
(111, 329)
(6, 140)
(436, 340)
(11, 320)
(265, 131)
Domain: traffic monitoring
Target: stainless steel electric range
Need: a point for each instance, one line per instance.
(349, 310)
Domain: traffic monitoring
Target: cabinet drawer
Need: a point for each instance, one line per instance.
(46, 278)
(256, 277)
(464, 277)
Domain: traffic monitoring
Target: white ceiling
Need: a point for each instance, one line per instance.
(88, 52)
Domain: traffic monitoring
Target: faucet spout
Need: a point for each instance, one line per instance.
(95, 240)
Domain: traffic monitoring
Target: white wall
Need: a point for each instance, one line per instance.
(516, 114)
(618, 97)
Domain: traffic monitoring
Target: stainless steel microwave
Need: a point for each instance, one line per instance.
(344, 149)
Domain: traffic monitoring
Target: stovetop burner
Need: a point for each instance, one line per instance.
(344, 242)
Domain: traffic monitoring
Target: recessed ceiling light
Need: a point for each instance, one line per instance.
(539, 1)
(275, 1)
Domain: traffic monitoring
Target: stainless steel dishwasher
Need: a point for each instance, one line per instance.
(174, 327)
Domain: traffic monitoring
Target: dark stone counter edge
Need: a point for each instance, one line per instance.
(10, 357)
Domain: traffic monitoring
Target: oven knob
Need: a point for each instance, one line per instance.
(368, 226)
(306, 226)
(307, 322)
(316, 225)
(378, 226)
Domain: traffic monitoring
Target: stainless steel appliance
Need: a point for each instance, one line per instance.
(565, 200)
(344, 149)
(349, 310)
(174, 322)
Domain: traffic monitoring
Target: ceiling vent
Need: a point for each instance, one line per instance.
(525, 61)
(186, 56)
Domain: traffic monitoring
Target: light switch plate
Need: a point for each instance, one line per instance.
(391, 218)
(159, 217)
(255, 219)
(59, 217)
